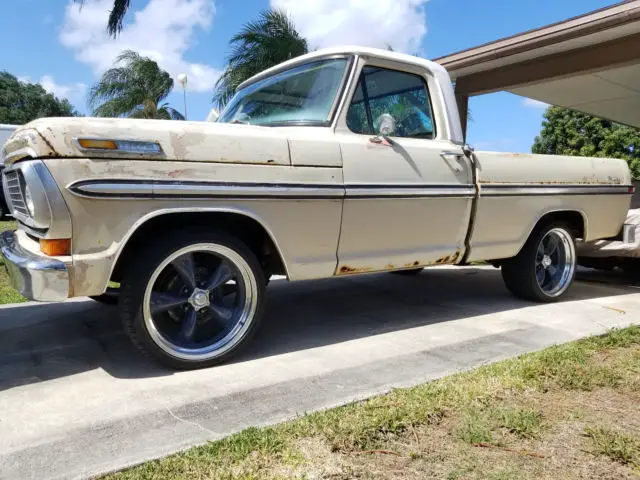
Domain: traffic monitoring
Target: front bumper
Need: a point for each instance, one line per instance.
(35, 277)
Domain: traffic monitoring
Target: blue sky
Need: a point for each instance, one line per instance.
(65, 48)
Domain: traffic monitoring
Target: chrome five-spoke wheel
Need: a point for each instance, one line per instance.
(545, 267)
(555, 262)
(200, 300)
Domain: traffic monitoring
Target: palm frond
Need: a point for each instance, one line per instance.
(261, 44)
(170, 112)
(116, 15)
(134, 87)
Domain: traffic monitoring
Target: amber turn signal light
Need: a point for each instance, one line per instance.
(97, 144)
(56, 248)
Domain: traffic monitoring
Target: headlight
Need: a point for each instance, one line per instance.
(28, 200)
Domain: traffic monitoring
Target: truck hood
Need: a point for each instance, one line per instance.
(179, 141)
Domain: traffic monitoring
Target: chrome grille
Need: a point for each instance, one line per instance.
(14, 194)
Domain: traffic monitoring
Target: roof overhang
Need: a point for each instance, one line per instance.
(590, 63)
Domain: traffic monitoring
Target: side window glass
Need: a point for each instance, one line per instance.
(402, 95)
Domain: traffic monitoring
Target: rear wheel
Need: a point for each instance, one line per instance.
(194, 299)
(545, 267)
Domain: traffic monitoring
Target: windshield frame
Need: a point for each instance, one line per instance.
(305, 123)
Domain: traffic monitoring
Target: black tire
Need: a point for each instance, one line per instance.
(110, 297)
(106, 299)
(519, 272)
(408, 273)
(3, 209)
(631, 268)
(136, 278)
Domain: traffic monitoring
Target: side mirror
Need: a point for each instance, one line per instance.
(213, 115)
(386, 125)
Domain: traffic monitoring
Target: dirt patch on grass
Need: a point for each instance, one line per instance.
(559, 448)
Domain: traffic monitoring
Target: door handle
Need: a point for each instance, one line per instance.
(381, 140)
(452, 158)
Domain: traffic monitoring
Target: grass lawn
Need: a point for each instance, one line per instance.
(568, 412)
(7, 294)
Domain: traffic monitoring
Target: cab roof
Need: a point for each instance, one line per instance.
(345, 50)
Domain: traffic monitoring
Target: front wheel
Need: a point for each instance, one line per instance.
(545, 267)
(194, 299)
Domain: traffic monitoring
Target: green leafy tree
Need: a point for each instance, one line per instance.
(116, 16)
(21, 102)
(264, 43)
(567, 132)
(135, 87)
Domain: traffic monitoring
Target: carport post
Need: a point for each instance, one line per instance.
(462, 100)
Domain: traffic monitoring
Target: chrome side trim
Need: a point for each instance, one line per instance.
(506, 190)
(168, 189)
(100, 189)
(118, 189)
(35, 277)
(248, 190)
(160, 189)
(409, 191)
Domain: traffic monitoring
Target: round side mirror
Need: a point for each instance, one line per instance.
(386, 125)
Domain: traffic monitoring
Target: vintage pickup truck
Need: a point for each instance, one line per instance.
(340, 162)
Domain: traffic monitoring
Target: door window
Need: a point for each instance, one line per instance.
(402, 95)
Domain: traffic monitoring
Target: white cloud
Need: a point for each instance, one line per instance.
(398, 23)
(163, 30)
(74, 92)
(531, 103)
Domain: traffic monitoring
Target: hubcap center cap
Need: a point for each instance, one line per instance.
(546, 261)
(199, 299)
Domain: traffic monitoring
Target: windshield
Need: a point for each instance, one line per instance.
(302, 95)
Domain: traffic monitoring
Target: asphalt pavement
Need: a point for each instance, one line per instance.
(77, 400)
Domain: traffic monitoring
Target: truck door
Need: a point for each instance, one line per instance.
(408, 194)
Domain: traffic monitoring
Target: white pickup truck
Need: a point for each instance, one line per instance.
(340, 162)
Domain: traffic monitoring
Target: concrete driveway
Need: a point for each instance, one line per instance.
(77, 400)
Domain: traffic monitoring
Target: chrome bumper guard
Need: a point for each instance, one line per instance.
(35, 277)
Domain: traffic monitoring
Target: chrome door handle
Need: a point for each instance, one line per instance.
(452, 158)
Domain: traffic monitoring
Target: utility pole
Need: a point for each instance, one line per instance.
(182, 78)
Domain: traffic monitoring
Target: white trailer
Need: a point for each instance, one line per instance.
(5, 133)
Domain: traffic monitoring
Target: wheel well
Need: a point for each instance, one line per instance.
(574, 220)
(245, 228)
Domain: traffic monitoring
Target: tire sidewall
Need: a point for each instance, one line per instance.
(531, 260)
(136, 279)
(519, 272)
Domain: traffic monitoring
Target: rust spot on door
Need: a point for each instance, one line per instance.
(346, 270)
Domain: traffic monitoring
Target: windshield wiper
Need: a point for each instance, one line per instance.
(243, 122)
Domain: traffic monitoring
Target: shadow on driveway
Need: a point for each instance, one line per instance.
(44, 342)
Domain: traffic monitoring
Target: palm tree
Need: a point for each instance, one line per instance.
(261, 44)
(134, 89)
(116, 16)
